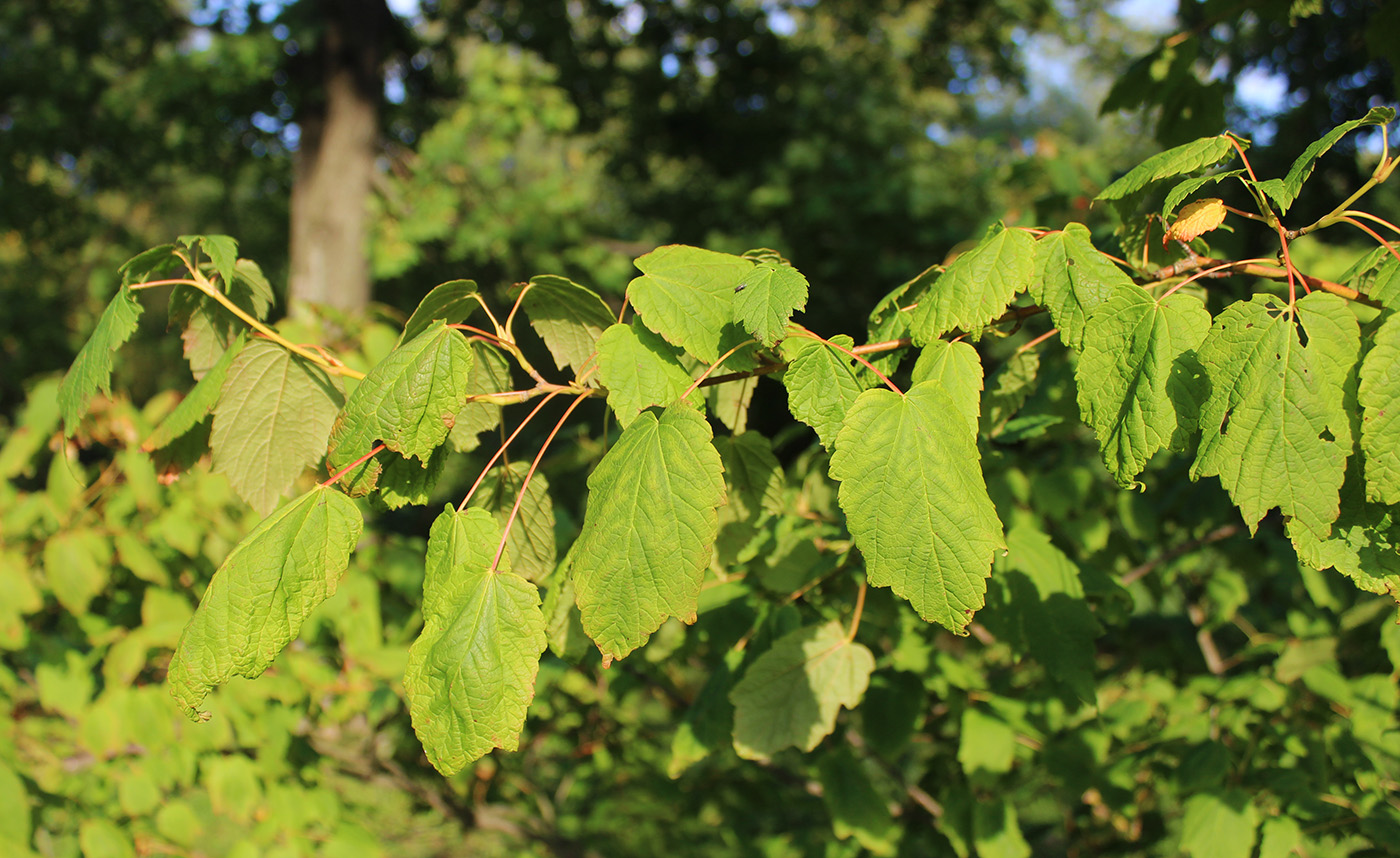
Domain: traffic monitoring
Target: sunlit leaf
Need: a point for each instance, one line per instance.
(92, 368)
(687, 295)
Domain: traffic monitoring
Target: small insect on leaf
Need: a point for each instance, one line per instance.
(1196, 219)
(740, 287)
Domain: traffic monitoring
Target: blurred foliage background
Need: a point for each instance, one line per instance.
(865, 141)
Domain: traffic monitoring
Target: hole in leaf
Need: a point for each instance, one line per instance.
(1224, 422)
(1302, 335)
(1326, 435)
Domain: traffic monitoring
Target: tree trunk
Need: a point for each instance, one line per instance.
(335, 161)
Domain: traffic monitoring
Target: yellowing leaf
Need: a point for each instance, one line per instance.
(471, 673)
(257, 601)
(649, 531)
(1196, 219)
(915, 500)
(791, 694)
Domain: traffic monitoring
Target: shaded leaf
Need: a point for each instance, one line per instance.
(531, 539)
(915, 501)
(687, 294)
(272, 420)
(1274, 428)
(753, 475)
(649, 531)
(1379, 396)
(791, 694)
(568, 317)
(1187, 187)
(92, 368)
(1364, 543)
(1139, 384)
(471, 672)
(977, 287)
(197, 403)
(856, 809)
(263, 591)
(490, 373)
(405, 480)
(708, 724)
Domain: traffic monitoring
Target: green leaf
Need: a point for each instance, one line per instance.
(1139, 384)
(404, 480)
(1302, 168)
(1219, 826)
(1187, 158)
(1187, 187)
(1012, 385)
(248, 278)
(563, 627)
(223, 252)
(766, 299)
(708, 724)
(409, 401)
(452, 302)
(92, 368)
(1364, 543)
(1281, 837)
(471, 673)
(141, 267)
(257, 600)
(197, 403)
(996, 832)
(687, 294)
(272, 420)
(1385, 286)
(1275, 429)
(1040, 611)
(490, 373)
(915, 501)
(15, 823)
(1073, 279)
(889, 322)
(531, 539)
(821, 384)
(1379, 396)
(649, 531)
(986, 744)
(957, 369)
(18, 596)
(568, 317)
(977, 287)
(753, 475)
(77, 566)
(791, 694)
(31, 429)
(640, 369)
(856, 809)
